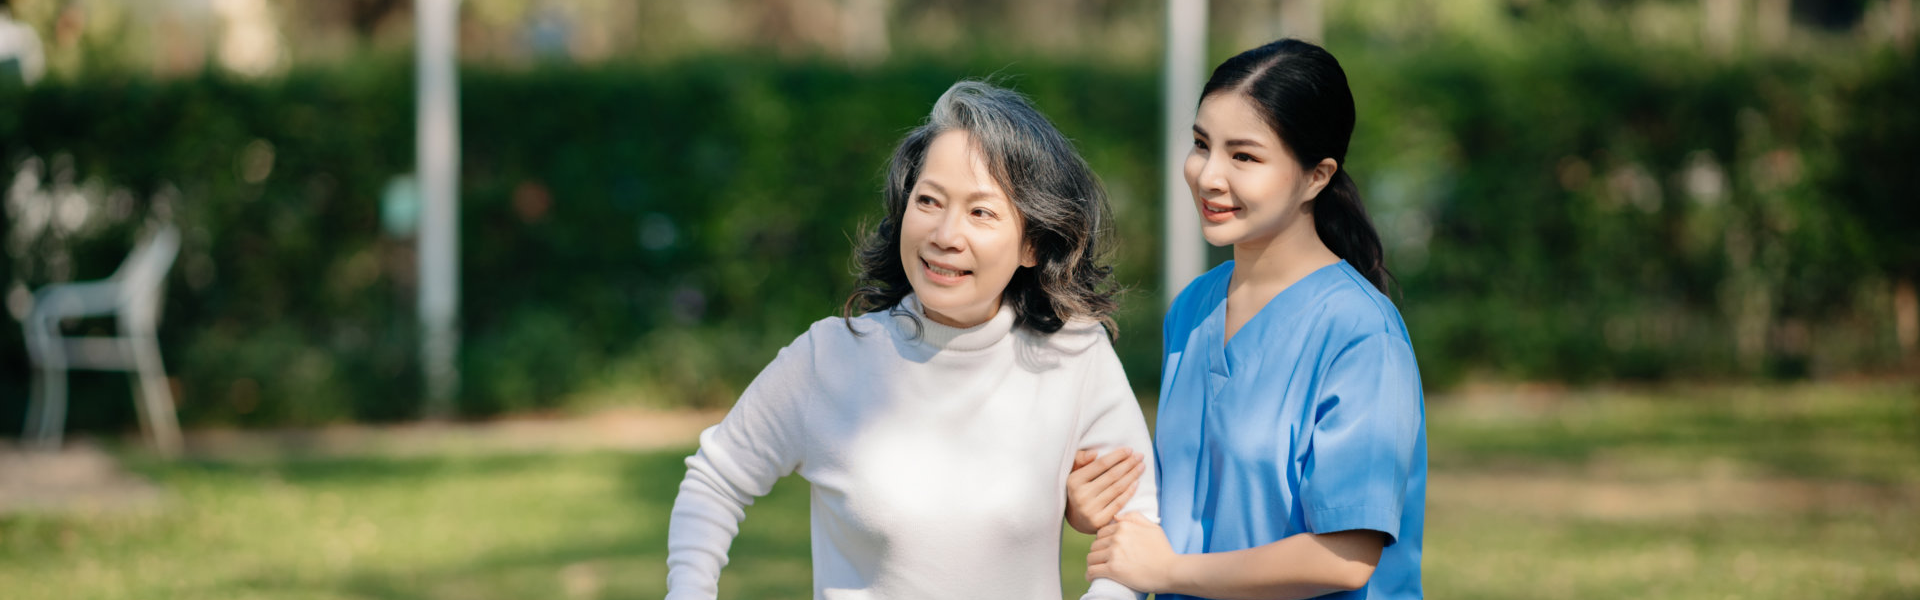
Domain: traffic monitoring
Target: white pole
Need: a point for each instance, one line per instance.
(438, 148)
(1184, 255)
(1303, 20)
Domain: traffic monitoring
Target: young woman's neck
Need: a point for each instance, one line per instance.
(1273, 264)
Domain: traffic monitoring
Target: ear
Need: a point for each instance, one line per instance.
(1319, 177)
(1027, 257)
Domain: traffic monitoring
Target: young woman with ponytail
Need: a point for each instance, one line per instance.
(1291, 438)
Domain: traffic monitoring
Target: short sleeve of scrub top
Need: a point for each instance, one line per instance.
(1367, 418)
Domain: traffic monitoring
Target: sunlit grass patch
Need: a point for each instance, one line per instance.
(1709, 493)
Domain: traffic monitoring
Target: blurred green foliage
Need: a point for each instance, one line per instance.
(1607, 211)
(653, 233)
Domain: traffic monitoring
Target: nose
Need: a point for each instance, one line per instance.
(947, 234)
(1212, 179)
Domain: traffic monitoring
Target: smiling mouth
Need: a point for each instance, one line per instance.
(1217, 215)
(943, 271)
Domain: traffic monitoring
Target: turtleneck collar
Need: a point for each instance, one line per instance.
(978, 337)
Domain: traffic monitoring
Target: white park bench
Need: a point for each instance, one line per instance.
(133, 297)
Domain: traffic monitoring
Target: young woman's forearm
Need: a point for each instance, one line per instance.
(1300, 566)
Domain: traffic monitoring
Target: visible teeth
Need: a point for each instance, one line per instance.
(947, 272)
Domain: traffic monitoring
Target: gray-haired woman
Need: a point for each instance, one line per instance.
(937, 419)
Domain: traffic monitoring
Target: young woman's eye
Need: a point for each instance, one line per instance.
(924, 200)
(1243, 157)
(1199, 144)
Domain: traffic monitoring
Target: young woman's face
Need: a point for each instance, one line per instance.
(960, 239)
(1247, 186)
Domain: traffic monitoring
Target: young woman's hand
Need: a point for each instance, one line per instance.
(1099, 487)
(1133, 551)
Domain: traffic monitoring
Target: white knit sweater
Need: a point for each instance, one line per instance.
(938, 457)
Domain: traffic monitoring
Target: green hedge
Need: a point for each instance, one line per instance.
(1614, 212)
(641, 233)
(655, 233)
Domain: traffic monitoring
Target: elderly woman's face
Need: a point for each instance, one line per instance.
(960, 239)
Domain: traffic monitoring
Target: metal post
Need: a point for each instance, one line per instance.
(1303, 20)
(1184, 255)
(1720, 25)
(438, 156)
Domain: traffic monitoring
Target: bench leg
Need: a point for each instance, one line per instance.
(153, 397)
(47, 412)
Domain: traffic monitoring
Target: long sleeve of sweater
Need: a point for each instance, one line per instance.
(739, 460)
(1113, 420)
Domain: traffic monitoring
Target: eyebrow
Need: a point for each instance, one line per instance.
(978, 194)
(1229, 143)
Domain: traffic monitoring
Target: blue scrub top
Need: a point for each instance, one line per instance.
(1310, 419)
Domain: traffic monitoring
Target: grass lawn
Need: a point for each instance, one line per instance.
(1738, 492)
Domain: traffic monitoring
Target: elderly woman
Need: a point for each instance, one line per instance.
(937, 419)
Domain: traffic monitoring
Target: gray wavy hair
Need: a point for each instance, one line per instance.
(1063, 211)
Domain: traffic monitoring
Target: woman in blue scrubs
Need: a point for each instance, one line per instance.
(1291, 438)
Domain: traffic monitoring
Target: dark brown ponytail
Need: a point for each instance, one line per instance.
(1341, 220)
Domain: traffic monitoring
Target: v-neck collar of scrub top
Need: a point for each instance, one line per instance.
(1223, 353)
